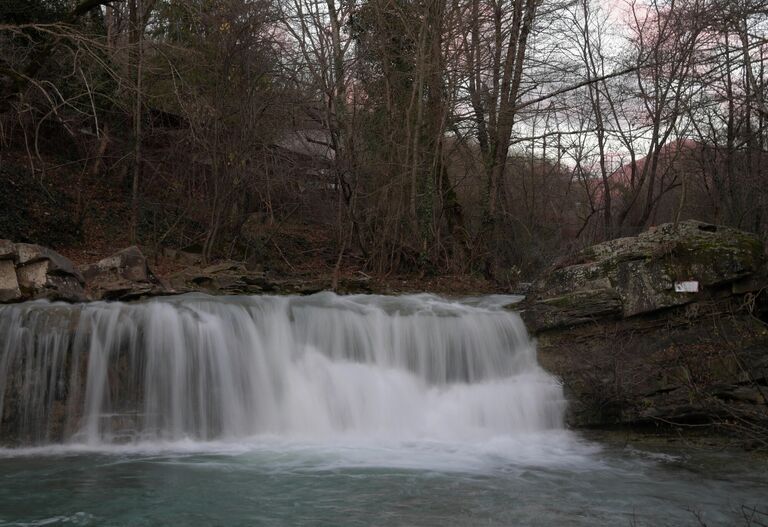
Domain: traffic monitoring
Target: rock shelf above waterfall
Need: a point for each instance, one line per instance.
(33, 272)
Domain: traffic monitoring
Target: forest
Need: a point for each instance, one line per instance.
(463, 137)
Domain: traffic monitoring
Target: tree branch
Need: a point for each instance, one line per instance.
(87, 5)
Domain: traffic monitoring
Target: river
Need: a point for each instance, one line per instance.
(320, 410)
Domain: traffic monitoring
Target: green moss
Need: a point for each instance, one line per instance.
(563, 302)
(714, 257)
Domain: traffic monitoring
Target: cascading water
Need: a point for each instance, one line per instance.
(200, 367)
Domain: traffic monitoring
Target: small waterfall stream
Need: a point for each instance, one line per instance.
(203, 368)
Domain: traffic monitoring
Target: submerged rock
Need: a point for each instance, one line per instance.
(632, 350)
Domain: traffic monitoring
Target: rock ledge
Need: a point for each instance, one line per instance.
(631, 350)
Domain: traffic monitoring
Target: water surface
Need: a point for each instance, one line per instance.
(555, 478)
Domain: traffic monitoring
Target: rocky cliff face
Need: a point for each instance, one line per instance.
(635, 344)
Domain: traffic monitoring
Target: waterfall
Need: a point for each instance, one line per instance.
(202, 368)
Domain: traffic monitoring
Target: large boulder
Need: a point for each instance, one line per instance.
(9, 283)
(29, 272)
(631, 350)
(28, 253)
(638, 275)
(123, 276)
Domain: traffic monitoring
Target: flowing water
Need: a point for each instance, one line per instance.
(321, 410)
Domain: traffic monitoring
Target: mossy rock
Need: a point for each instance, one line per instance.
(642, 271)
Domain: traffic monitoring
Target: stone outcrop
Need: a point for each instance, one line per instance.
(632, 276)
(123, 276)
(235, 278)
(632, 350)
(221, 278)
(30, 272)
(9, 283)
